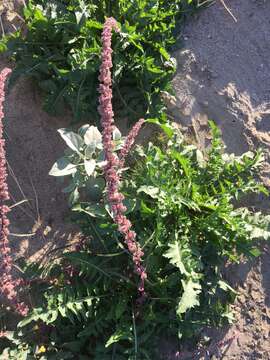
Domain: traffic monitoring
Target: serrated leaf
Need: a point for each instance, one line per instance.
(120, 334)
(149, 190)
(255, 252)
(62, 310)
(164, 53)
(259, 233)
(168, 129)
(89, 166)
(184, 162)
(53, 315)
(146, 209)
(226, 287)
(73, 141)
(34, 316)
(62, 167)
(174, 254)
(190, 297)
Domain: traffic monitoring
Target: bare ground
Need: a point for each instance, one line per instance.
(32, 145)
(224, 75)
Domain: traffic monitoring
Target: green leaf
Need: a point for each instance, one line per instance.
(255, 252)
(146, 209)
(70, 187)
(120, 334)
(95, 187)
(120, 308)
(94, 24)
(190, 297)
(130, 204)
(152, 67)
(183, 161)
(74, 196)
(164, 53)
(74, 141)
(167, 128)
(63, 167)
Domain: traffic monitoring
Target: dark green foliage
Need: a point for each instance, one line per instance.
(188, 223)
(61, 51)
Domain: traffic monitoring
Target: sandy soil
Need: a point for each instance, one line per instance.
(38, 222)
(32, 147)
(224, 75)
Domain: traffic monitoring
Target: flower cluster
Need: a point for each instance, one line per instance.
(8, 285)
(113, 165)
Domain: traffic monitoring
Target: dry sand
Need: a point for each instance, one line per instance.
(224, 75)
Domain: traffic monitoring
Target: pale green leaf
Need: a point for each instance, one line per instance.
(89, 166)
(93, 210)
(149, 190)
(116, 134)
(89, 150)
(93, 137)
(190, 297)
(174, 254)
(62, 310)
(73, 141)
(259, 233)
(62, 167)
(226, 287)
(200, 159)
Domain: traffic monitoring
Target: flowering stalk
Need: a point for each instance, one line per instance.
(113, 164)
(130, 141)
(8, 284)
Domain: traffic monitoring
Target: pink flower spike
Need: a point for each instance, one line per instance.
(113, 164)
(130, 141)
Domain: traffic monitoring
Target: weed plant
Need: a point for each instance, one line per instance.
(184, 205)
(60, 48)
